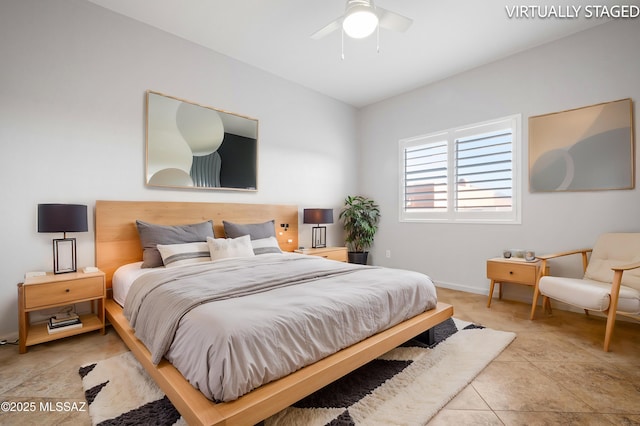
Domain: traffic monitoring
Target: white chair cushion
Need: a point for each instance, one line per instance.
(615, 249)
(589, 294)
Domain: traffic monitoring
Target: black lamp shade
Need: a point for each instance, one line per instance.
(318, 216)
(62, 218)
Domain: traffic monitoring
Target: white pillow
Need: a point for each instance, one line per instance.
(265, 245)
(184, 254)
(222, 248)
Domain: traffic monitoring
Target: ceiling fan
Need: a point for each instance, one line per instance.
(361, 18)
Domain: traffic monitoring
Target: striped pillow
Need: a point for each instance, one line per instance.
(265, 245)
(184, 254)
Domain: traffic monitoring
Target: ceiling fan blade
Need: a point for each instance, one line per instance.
(392, 20)
(328, 29)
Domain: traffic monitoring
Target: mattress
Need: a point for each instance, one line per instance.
(123, 278)
(265, 316)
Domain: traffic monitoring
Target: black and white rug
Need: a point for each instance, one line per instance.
(406, 386)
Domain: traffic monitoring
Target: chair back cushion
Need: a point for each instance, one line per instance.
(615, 249)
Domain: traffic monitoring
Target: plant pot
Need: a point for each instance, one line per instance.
(359, 257)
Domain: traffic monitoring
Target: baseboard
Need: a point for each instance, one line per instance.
(462, 287)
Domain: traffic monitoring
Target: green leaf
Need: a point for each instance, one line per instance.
(360, 217)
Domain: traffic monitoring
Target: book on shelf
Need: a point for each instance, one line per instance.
(53, 324)
(63, 323)
(57, 328)
(70, 320)
(64, 316)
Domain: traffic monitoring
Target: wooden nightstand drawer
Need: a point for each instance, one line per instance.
(39, 295)
(333, 253)
(339, 255)
(521, 273)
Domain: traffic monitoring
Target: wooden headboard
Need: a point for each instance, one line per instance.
(118, 243)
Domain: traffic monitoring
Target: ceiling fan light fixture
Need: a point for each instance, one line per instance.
(360, 22)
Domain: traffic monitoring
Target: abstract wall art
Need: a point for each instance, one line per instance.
(195, 146)
(583, 149)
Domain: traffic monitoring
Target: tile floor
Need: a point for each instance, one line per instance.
(555, 372)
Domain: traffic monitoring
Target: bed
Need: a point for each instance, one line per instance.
(118, 243)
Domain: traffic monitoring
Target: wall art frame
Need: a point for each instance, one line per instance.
(591, 148)
(189, 145)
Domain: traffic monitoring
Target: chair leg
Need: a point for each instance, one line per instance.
(613, 306)
(611, 322)
(586, 312)
(534, 303)
(536, 289)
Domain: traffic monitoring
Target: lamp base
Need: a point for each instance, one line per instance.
(64, 255)
(319, 237)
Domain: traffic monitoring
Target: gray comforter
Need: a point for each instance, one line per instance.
(230, 326)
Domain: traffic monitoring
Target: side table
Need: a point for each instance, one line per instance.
(51, 291)
(515, 271)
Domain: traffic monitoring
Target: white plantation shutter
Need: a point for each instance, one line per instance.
(484, 172)
(467, 174)
(426, 177)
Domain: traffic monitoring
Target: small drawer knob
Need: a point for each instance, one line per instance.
(67, 290)
(510, 272)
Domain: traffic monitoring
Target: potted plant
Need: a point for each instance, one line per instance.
(360, 216)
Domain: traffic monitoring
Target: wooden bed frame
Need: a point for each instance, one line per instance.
(117, 243)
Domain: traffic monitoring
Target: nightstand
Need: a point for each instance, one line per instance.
(501, 270)
(51, 291)
(333, 253)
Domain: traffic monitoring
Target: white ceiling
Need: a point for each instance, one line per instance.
(446, 38)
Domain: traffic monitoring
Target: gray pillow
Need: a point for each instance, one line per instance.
(151, 235)
(256, 231)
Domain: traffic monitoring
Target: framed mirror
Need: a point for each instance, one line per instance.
(195, 146)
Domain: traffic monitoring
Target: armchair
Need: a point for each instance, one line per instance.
(611, 282)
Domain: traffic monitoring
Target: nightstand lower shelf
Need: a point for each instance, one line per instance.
(38, 333)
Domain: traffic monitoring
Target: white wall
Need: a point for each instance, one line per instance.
(599, 65)
(72, 89)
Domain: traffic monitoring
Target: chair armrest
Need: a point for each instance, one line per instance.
(615, 292)
(626, 267)
(563, 253)
(585, 259)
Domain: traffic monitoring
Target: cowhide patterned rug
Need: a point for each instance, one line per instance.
(408, 385)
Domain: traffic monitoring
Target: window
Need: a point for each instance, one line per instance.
(467, 174)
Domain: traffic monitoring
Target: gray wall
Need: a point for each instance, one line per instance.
(598, 65)
(72, 90)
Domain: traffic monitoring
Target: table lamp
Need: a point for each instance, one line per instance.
(318, 233)
(63, 218)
